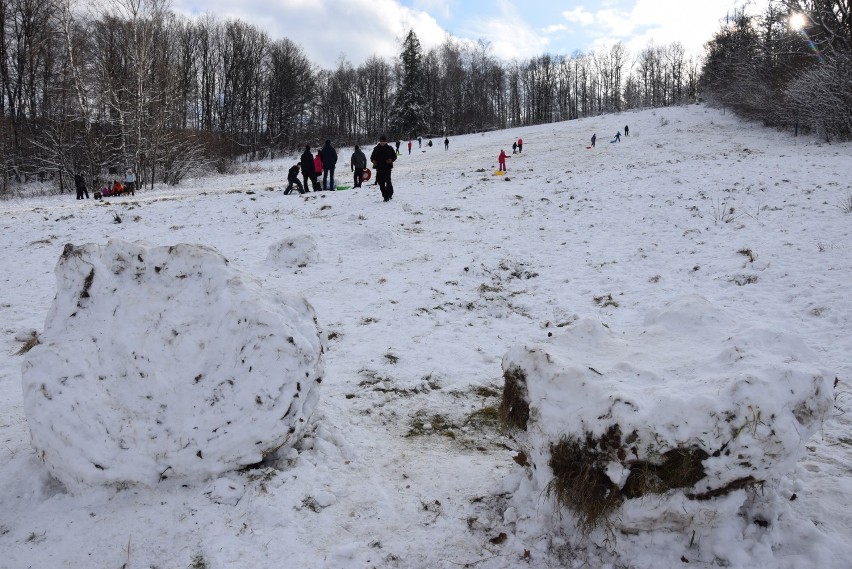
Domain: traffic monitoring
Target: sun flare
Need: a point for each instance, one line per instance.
(797, 21)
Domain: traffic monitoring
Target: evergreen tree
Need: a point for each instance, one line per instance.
(409, 112)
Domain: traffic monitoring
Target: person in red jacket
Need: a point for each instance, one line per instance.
(502, 159)
(520, 145)
(318, 162)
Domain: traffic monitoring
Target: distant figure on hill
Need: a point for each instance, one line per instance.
(358, 162)
(520, 145)
(409, 147)
(626, 130)
(329, 161)
(594, 138)
(130, 181)
(501, 160)
(419, 142)
(514, 147)
(309, 173)
(617, 137)
(397, 148)
(446, 144)
(80, 185)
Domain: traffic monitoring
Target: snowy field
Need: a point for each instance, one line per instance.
(419, 299)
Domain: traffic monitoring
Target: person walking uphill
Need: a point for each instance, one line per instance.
(309, 173)
(520, 145)
(358, 162)
(329, 161)
(382, 158)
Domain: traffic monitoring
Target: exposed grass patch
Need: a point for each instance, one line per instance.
(436, 424)
(748, 253)
(514, 409)
(391, 358)
(742, 280)
(29, 343)
(606, 300)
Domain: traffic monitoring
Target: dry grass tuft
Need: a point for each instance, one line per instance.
(29, 344)
(580, 481)
(514, 407)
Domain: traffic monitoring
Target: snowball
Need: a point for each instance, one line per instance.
(298, 251)
(677, 417)
(166, 363)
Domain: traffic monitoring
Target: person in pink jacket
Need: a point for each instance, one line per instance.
(502, 159)
(318, 162)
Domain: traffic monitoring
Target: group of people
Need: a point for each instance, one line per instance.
(616, 138)
(517, 148)
(118, 187)
(382, 159)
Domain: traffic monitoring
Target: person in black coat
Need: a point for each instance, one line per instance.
(329, 160)
(293, 180)
(383, 157)
(308, 172)
(80, 185)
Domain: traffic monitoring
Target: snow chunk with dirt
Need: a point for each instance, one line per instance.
(668, 427)
(165, 362)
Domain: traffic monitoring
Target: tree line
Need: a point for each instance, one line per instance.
(130, 84)
(790, 67)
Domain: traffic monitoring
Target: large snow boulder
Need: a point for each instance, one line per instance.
(165, 362)
(665, 428)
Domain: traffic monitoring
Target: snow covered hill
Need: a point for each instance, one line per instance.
(403, 463)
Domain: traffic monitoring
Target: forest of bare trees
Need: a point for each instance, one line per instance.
(129, 84)
(790, 67)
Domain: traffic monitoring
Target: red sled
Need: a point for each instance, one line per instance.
(366, 174)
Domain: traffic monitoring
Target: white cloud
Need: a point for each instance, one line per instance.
(356, 29)
(580, 16)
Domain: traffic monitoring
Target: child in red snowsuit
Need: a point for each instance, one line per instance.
(501, 160)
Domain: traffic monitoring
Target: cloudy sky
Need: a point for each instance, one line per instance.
(357, 29)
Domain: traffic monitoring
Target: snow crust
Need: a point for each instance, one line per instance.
(163, 362)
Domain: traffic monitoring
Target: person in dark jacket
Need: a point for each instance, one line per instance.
(329, 160)
(308, 172)
(383, 157)
(594, 138)
(626, 130)
(358, 163)
(80, 185)
(293, 181)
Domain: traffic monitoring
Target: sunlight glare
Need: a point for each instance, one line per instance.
(797, 21)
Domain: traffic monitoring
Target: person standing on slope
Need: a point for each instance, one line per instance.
(329, 161)
(520, 145)
(358, 163)
(309, 173)
(383, 157)
(594, 138)
(501, 160)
